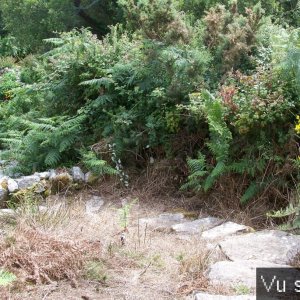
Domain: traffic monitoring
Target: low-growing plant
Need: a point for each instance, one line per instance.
(97, 166)
(289, 215)
(193, 265)
(95, 271)
(242, 289)
(124, 213)
(6, 278)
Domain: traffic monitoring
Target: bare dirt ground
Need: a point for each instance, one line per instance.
(151, 264)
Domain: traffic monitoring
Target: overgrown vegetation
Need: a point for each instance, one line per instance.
(213, 83)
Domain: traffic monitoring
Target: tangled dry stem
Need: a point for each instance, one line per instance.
(37, 257)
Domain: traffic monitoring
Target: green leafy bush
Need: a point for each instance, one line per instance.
(8, 81)
(10, 46)
(42, 143)
(156, 20)
(243, 139)
(121, 88)
(142, 88)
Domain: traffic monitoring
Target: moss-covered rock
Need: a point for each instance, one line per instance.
(60, 182)
(3, 195)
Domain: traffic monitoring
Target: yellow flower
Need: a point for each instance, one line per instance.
(297, 126)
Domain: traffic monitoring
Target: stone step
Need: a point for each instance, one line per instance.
(224, 230)
(163, 222)
(197, 226)
(268, 245)
(233, 273)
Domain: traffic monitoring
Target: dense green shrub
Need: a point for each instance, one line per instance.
(157, 20)
(43, 142)
(8, 81)
(45, 18)
(10, 46)
(250, 132)
(127, 89)
(143, 88)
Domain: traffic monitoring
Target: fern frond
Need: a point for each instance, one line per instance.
(218, 170)
(67, 142)
(98, 82)
(191, 184)
(97, 166)
(251, 192)
(52, 158)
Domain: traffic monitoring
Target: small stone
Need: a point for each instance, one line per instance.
(12, 185)
(7, 212)
(197, 226)
(43, 208)
(43, 175)
(233, 273)
(225, 229)
(77, 174)
(27, 181)
(268, 245)
(52, 174)
(163, 222)
(205, 296)
(90, 178)
(94, 205)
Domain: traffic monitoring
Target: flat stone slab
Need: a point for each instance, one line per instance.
(94, 205)
(163, 222)
(225, 229)
(27, 181)
(204, 296)
(197, 226)
(268, 245)
(233, 273)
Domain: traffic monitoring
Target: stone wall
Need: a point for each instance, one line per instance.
(42, 182)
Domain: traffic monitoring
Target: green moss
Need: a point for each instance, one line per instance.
(187, 214)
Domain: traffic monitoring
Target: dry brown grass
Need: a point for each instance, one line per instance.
(38, 257)
(61, 243)
(160, 183)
